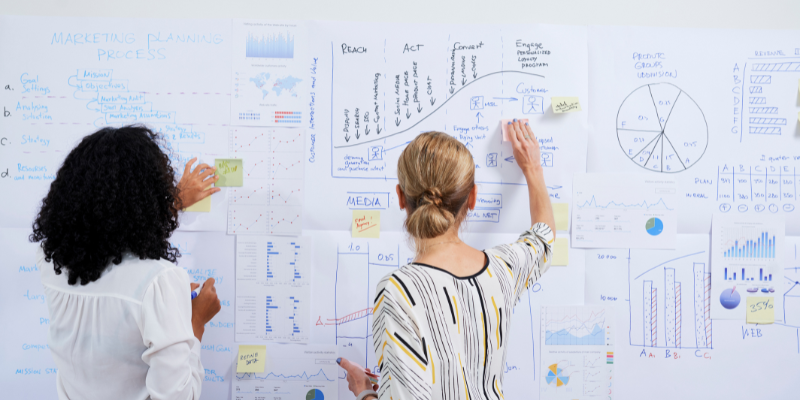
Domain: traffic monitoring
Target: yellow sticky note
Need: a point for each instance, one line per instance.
(504, 127)
(366, 223)
(565, 104)
(230, 172)
(201, 206)
(560, 252)
(561, 212)
(760, 310)
(251, 358)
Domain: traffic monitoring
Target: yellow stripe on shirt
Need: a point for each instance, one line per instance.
(408, 353)
(399, 289)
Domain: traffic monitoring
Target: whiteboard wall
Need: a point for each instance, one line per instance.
(27, 369)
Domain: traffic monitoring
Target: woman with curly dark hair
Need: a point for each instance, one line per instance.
(122, 321)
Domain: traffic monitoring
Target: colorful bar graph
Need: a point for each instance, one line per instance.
(763, 247)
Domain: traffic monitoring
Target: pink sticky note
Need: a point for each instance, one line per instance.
(504, 127)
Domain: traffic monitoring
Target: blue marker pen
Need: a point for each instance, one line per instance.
(197, 291)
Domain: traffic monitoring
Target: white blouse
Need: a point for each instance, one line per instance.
(127, 335)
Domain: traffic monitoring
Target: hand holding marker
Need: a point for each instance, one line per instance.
(196, 291)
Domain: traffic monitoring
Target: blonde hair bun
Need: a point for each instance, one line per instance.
(436, 174)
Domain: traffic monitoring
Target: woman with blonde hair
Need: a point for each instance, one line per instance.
(440, 324)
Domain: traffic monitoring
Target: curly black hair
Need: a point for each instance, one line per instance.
(115, 193)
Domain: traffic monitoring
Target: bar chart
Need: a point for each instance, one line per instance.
(277, 45)
(670, 298)
(763, 246)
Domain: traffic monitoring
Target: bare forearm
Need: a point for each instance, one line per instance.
(541, 209)
(198, 329)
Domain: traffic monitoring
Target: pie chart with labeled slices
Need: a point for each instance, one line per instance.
(556, 376)
(661, 128)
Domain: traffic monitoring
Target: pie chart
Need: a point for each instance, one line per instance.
(654, 226)
(729, 298)
(315, 394)
(555, 375)
(661, 128)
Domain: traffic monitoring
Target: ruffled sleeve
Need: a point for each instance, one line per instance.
(528, 258)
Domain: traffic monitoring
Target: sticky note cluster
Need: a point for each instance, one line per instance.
(366, 224)
(230, 172)
(565, 104)
(252, 358)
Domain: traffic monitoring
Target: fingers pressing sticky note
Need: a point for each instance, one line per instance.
(565, 104)
(202, 205)
(504, 127)
(366, 223)
(230, 172)
(561, 212)
(760, 310)
(560, 252)
(251, 358)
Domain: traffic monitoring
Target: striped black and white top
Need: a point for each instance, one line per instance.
(439, 336)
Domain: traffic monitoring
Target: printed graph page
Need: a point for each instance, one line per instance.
(747, 258)
(577, 352)
(662, 300)
(269, 81)
(270, 200)
(290, 372)
(624, 210)
(725, 128)
(273, 290)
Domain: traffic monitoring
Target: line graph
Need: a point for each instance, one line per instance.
(254, 192)
(250, 220)
(291, 371)
(285, 220)
(575, 329)
(304, 376)
(592, 203)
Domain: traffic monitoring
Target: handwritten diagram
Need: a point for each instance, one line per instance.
(661, 128)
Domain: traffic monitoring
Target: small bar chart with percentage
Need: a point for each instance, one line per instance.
(271, 200)
(747, 255)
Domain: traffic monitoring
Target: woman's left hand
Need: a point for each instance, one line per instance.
(194, 186)
(357, 379)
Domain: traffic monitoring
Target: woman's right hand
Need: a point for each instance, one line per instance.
(204, 307)
(525, 145)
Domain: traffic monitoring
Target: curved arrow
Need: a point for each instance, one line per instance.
(437, 108)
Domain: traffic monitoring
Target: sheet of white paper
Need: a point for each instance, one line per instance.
(722, 111)
(577, 352)
(383, 84)
(271, 198)
(168, 74)
(210, 255)
(273, 289)
(624, 210)
(291, 371)
(269, 74)
(687, 342)
(747, 253)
